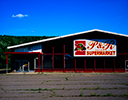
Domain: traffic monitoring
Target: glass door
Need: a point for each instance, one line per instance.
(18, 66)
(126, 65)
(22, 65)
(25, 65)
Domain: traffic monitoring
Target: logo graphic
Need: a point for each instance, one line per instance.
(80, 48)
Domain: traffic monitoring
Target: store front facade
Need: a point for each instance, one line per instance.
(90, 51)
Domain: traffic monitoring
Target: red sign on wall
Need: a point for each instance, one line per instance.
(99, 47)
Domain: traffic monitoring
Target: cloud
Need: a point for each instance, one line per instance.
(19, 15)
(32, 31)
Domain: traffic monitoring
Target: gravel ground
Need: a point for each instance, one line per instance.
(64, 86)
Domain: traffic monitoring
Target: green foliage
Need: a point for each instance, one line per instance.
(63, 88)
(105, 94)
(46, 89)
(109, 94)
(98, 87)
(104, 89)
(33, 89)
(98, 95)
(81, 94)
(67, 78)
(93, 94)
(51, 90)
(6, 41)
(115, 87)
(125, 94)
(40, 89)
(85, 88)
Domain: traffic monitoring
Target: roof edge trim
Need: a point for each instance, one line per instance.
(54, 38)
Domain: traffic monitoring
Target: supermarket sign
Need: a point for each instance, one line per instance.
(95, 47)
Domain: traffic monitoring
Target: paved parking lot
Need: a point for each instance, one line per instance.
(64, 86)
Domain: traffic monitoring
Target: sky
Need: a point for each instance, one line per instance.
(62, 17)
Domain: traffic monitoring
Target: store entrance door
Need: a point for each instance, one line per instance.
(22, 65)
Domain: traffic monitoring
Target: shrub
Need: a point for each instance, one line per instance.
(45, 89)
(40, 89)
(67, 78)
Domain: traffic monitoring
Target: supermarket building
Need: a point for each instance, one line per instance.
(88, 51)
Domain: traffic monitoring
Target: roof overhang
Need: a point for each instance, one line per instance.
(45, 40)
